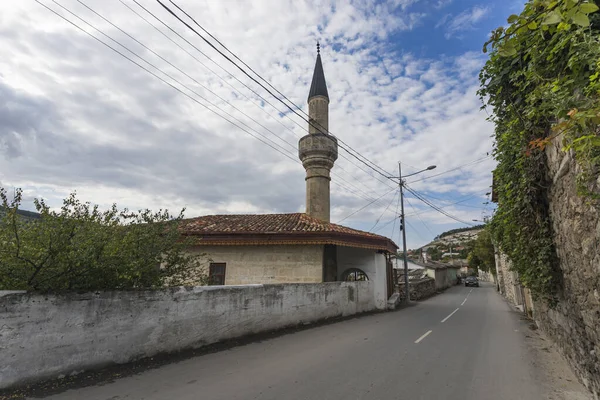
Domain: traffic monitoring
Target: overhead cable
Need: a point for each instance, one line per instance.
(374, 167)
(438, 209)
(274, 145)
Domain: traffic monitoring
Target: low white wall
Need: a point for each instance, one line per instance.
(371, 263)
(42, 336)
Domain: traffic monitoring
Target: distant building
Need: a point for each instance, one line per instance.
(445, 274)
(450, 255)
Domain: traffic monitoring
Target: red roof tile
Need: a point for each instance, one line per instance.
(280, 228)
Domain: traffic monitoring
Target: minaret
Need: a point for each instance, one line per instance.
(318, 150)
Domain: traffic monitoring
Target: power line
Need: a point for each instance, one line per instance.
(415, 230)
(387, 223)
(364, 196)
(204, 65)
(221, 67)
(448, 205)
(438, 209)
(168, 83)
(158, 77)
(263, 79)
(418, 216)
(388, 206)
(453, 169)
(201, 52)
(395, 218)
(376, 168)
(365, 206)
(451, 202)
(174, 66)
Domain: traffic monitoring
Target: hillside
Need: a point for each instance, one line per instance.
(456, 241)
(29, 215)
(459, 230)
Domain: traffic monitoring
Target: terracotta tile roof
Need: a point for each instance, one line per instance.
(265, 223)
(297, 228)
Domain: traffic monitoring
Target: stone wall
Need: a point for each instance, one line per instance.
(509, 281)
(268, 264)
(43, 336)
(499, 269)
(419, 290)
(575, 323)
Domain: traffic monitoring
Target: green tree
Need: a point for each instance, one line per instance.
(82, 248)
(542, 80)
(434, 253)
(481, 255)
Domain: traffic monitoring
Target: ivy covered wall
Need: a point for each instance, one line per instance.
(541, 87)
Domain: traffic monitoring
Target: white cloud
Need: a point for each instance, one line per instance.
(76, 116)
(442, 3)
(465, 21)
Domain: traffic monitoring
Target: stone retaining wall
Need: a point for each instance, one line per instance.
(420, 289)
(575, 323)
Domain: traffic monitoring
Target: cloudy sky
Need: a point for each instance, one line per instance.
(402, 79)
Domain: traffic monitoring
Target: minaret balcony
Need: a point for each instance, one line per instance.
(318, 149)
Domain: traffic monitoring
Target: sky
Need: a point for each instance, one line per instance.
(402, 77)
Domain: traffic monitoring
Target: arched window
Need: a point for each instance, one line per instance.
(354, 274)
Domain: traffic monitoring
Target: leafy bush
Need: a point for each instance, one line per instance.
(82, 248)
(541, 81)
(482, 253)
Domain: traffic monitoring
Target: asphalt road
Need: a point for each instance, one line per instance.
(463, 344)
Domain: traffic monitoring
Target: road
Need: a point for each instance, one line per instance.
(463, 344)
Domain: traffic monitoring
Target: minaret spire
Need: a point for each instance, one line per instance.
(318, 87)
(318, 150)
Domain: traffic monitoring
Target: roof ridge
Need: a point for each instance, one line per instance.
(258, 224)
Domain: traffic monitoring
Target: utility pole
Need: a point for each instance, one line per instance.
(403, 224)
(403, 229)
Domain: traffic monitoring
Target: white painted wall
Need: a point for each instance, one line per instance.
(42, 336)
(442, 277)
(369, 261)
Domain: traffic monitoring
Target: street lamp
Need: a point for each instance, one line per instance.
(403, 224)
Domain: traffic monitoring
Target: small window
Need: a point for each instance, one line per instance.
(216, 274)
(354, 274)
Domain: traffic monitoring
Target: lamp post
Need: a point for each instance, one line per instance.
(403, 225)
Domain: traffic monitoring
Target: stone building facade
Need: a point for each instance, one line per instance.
(267, 264)
(290, 248)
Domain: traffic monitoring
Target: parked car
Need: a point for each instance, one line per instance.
(471, 281)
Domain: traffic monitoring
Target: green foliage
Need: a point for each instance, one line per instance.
(82, 248)
(467, 247)
(434, 253)
(482, 255)
(541, 80)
